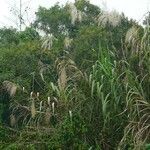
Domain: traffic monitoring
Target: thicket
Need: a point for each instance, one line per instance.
(83, 84)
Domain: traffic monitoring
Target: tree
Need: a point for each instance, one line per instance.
(8, 36)
(147, 19)
(29, 34)
(54, 20)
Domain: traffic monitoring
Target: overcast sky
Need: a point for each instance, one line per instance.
(132, 8)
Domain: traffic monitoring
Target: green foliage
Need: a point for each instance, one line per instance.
(14, 61)
(72, 133)
(86, 45)
(82, 85)
(29, 34)
(8, 36)
(92, 11)
(53, 20)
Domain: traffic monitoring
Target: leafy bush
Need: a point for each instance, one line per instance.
(83, 85)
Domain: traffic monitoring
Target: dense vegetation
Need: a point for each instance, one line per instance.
(83, 84)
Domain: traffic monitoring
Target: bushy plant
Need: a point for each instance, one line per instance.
(83, 85)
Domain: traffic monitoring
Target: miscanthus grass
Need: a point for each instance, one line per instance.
(112, 18)
(10, 87)
(76, 15)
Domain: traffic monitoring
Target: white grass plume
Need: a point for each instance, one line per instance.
(12, 120)
(33, 109)
(47, 41)
(53, 108)
(10, 87)
(113, 18)
(41, 104)
(67, 42)
(62, 80)
(76, 15)
(48, 101)
(73, 12)
(42, 69)
(47, 116)
(131, 35)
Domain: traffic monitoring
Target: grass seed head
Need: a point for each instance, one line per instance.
(33, 109)
(41, 103)
(31, 94)
(10, 87)
(12, 120)
(70, 114)
(49, 101)
(37, 94)
(113, 18)
(53, 107)
(23, 89)
(47, 116)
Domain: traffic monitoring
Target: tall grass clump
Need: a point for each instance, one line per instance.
(85, 85)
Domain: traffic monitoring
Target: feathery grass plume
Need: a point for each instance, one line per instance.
(10, 87)
(23, 89)
(73, 12)
(62, 80)
(76, 15)
(12, 120)
(47, 116)
(145, 39)
(132, 35)
(41, 103)
(80, 16)
(67, 71)
(138, 128)
(49, 101)
(31, 94)
(53, 108)
(33, 109)
(47, 41)
(37, 94)
(70, 114)
(113, 18)
(67, 42)
(42, 69)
